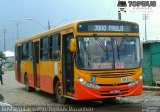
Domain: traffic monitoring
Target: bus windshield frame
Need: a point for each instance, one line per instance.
(108, 53)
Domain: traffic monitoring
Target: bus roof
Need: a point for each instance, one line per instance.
(63, 27)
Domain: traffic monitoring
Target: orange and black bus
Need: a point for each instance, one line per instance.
(83, 60)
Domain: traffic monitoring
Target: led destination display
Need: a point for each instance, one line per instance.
(107, 26)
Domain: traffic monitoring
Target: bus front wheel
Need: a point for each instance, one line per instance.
(59, 94)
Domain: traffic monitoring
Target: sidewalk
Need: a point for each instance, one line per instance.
(151, 88)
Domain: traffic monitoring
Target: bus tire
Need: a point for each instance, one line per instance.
(59, 95)
(27, 87)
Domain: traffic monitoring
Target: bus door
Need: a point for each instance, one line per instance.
(67, 65)
(19, 52)
(36, 63)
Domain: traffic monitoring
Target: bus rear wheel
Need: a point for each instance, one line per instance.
(27, 87)
(59, 94)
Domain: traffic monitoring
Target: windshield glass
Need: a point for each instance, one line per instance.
(107, 53)
(126, 52)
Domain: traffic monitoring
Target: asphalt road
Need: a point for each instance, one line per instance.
(15, 94)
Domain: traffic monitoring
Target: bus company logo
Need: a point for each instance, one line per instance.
(93, 79)
(136, 6)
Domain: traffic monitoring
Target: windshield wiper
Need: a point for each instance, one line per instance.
(117, 50)
(123, 38)
(118, 46)
(84, 49)
(102, 46)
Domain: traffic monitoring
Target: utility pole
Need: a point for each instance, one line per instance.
(17, 30)
(120, 5)
(145, 17)
(49, 26)
(119, 15)
(4, 35)
(17, 26)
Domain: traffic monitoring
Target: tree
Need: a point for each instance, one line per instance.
(2, 55)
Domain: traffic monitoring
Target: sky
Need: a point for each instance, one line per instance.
(59, 12)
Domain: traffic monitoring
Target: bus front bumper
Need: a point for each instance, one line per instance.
(104, 92)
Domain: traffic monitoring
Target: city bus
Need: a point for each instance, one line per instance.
(82, 60)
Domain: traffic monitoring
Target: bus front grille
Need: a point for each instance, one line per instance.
(112, 74)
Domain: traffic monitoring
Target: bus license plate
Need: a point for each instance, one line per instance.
(126, 79)
(115, 92)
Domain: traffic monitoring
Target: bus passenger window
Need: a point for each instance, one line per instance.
(55, 47)
(27, 51)
(29, 57)
(44, 49)
(24, 51)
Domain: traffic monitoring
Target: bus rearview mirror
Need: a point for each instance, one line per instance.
(72, 45)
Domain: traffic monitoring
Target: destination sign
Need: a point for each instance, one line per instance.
(107, 26)
(111, 28)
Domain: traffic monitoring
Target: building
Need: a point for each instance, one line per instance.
(9, 64)
(151, 63)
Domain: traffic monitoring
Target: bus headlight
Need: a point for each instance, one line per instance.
(135, 82)
(87, 84)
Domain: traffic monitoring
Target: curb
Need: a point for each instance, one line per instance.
(151, 88)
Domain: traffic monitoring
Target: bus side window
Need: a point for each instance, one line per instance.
(55, 47)
(27, 51)
(29, 56)
(16, 53)
(24, 51)
(44, 49)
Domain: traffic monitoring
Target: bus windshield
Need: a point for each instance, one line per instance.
(99, 53)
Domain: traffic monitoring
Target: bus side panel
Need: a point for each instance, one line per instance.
(46, 76)
(16, 71)
(22, 71)
(29, 71)
(26, 69)
(38, 76)
(18, 62)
